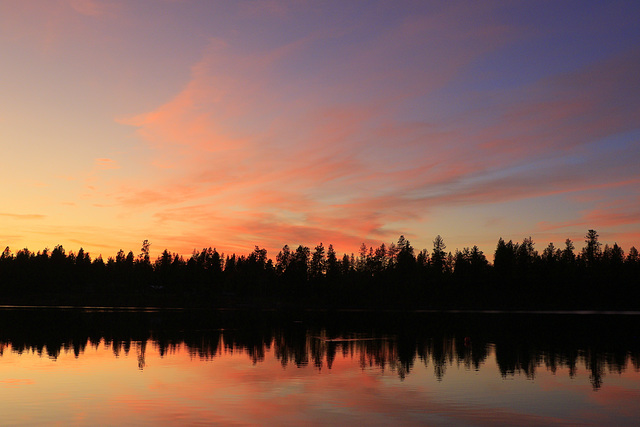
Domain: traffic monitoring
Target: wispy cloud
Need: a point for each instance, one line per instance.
(274, 150)
(568, 110)
(609, 214)
(49, 24)
(93, 7)
(105, 164)
(23, 216)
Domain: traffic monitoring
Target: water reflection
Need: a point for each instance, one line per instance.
(521, 344)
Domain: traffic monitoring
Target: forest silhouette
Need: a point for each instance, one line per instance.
(393, 276)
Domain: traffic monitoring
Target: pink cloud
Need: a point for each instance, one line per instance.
(569, 110)
(255, 150)
(93, 7)
(618, 212)
(239, 235)
(278, 9)
(48, 24)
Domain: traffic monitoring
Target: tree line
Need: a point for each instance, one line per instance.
(388, 276)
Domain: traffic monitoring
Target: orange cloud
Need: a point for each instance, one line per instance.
(22, 216)
(105, 164)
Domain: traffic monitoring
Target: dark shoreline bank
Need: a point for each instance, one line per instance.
(392, 277)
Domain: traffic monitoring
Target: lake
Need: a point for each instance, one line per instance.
(175, 367)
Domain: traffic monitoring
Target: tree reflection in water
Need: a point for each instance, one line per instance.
(521, 343)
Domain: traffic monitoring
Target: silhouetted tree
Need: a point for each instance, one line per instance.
(163, 263)
(592, 252)
(143, 258)
(299, 265)
(380, 258)
(422, 259)
(318, 260)
(505, 257)
(129, 260)
(613, 256)
(361, 262)
(283, 259)
(58, 254)
(392, 253)
(406, 260)
(82, 258)
(333, 268)
(438, 255)
(347, 265)
(550, 254)
(469, 262)
(478, 259)
(230, 265)
(526, 255)
(568, 256)
(258, 259)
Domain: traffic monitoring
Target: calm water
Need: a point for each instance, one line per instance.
(71, 366)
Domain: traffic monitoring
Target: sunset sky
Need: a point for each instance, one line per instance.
(239, 123)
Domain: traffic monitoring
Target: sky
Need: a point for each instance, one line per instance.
(231, 124)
